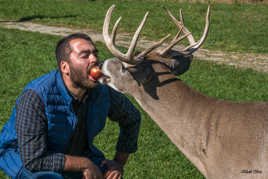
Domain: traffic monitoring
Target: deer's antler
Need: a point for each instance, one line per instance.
(129, 56)
(193, 44)
(109, 41)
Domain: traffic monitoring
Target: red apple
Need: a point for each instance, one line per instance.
(95, 73)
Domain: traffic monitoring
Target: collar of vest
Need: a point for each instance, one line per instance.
(62, 88)
(94, 92)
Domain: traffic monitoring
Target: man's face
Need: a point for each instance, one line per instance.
(82, 58)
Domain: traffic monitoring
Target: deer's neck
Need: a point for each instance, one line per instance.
(183, 114)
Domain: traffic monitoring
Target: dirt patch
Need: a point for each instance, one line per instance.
(241, 60)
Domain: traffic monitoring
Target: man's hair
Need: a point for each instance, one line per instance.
(63, 48)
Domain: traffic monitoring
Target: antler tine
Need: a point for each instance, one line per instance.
(181, 28)
(136, 36)
(173, 43)
(154, 46)
(181, 17)
(180, 24)
(105, 32)
(177, 35)
(115, 29)
(128, 57)
(185, 30)
(194, 46)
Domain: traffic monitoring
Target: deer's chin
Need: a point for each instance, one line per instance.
(105, 80)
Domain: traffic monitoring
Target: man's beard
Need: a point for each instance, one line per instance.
(79, 80)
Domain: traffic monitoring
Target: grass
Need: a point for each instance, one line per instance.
(242, 27)
(25, 56)
(236, 27)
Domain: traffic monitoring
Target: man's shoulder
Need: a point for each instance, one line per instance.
(43, 85)
(43, 81)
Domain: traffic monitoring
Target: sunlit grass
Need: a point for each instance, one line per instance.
(236, 27)
(25, 56)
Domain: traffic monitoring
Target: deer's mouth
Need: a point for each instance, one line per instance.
(105, 78)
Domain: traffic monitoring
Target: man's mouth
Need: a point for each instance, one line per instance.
(92, 79)
(104, 79)
(89, 76)
(94, 73)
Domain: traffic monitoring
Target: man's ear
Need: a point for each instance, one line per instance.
(64, 67)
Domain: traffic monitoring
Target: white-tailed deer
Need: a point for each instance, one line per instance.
(223, 139)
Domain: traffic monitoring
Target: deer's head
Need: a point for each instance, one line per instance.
(151, 67)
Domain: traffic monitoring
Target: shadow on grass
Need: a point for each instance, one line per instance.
(29, 18)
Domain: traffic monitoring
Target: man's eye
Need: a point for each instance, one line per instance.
(96, 53)
(84, 56)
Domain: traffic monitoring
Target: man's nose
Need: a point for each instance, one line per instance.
(93, 58)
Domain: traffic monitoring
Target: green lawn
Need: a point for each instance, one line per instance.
(236, 27)
(25, 56)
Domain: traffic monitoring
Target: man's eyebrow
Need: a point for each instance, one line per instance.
(84, 51)
(88, 51)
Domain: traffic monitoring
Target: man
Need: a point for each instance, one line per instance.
(53, 124)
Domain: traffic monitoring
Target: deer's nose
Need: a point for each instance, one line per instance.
(100, 65)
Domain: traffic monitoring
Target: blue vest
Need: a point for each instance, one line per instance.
(61, 120)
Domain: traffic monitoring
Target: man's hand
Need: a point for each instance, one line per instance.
(113, 174)
(114, 169)
(83, 164)
(92, 173)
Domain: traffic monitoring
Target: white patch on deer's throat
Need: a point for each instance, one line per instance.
(107, 73)
(112, 86)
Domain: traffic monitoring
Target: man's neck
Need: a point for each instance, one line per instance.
(77, 92)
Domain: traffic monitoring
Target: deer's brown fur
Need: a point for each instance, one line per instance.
(223, 139)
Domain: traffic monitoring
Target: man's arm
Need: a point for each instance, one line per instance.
(83, 164)
(128, 117)
(31, 128)
(121, 157)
